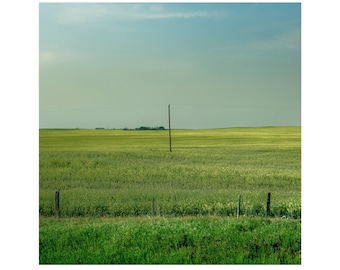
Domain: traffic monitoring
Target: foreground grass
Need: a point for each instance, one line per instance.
(199, 240)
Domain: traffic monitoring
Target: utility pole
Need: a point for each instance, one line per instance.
(169, 128)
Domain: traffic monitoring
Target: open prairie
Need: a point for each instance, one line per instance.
(111, 174)
(119, 173)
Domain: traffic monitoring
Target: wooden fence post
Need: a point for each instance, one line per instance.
(268, 205)
(153, 206)
(238, 205)
(57, 204)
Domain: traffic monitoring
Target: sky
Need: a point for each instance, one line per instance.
(115, 65)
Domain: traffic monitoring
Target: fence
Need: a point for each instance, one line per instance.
(236, 208)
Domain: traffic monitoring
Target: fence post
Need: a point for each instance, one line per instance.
(238, 205)
(153, 206)
(57, 203)
(268, 205)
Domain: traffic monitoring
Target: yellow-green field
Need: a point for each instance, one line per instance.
(125, 198)
(119, 173)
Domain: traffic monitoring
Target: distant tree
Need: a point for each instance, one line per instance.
(150, 128)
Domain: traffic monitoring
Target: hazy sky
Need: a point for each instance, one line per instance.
(218, 65)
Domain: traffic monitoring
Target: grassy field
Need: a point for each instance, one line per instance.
(130, 174)
(118, 173)
(189, 240)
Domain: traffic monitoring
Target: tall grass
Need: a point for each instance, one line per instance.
(170, 241)
(117, 173)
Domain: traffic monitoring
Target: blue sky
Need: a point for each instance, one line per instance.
(218, 65)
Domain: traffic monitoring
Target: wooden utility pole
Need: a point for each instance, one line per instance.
(169, 128)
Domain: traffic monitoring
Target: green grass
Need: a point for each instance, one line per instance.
(118, 173)
(108, 180)
(205, 240)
